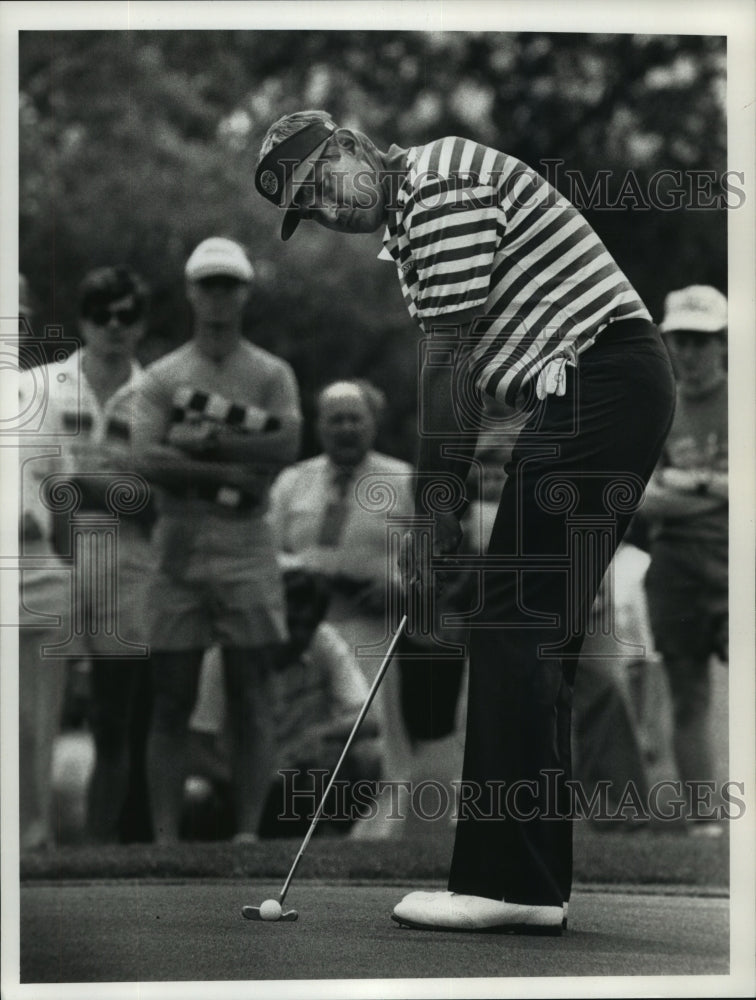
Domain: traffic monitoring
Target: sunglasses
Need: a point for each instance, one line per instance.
(101, 315)
(224, 281)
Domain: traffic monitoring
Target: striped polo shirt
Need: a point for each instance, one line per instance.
(474, 227)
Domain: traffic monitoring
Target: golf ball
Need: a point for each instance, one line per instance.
(270, 909)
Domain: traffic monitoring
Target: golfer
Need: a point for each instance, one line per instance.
(529, 309)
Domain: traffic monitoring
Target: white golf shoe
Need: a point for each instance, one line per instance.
(451, 911)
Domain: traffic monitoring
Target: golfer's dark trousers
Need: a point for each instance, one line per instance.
(576, 477)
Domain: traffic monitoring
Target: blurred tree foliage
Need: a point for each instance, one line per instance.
(136, 145)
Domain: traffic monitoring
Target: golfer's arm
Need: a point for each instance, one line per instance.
(440, 428)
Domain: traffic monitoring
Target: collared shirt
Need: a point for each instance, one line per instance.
(71, 421)
(299, 499)
(697, 444)
(476, 228)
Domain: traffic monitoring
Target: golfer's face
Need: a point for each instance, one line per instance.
(344, 194)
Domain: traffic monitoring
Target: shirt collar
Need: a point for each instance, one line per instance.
(390, 248)
(77, 356)
(336, 471)
(135, 374)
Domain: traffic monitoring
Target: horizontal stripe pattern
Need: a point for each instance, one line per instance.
(478, 229)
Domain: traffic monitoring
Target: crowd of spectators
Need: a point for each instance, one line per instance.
(207, 613)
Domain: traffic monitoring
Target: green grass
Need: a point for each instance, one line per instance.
(645, 857)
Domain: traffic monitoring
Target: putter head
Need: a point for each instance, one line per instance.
(253, 913)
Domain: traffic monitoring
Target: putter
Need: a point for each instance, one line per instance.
(272, 909)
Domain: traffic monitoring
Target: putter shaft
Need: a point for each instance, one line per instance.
(355, 728)
(253, 912)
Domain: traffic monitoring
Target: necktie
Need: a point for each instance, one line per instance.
(334, 516)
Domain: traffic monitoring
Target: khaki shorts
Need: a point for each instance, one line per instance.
(217, 581)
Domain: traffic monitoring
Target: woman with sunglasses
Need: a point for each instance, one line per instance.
(87, 415)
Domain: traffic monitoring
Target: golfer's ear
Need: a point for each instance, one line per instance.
(346, 139)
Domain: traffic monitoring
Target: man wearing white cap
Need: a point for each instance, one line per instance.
(687, 502)
(217, 417)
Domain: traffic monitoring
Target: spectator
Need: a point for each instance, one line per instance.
(44, 594)
(606, 732)
(88, 413)
(644, 674)
(322, 523)
(687, 505)
(319, 694)
(316, 694)
(216, 418)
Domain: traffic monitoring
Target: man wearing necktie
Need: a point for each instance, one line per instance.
(334, 516)
(323, 521)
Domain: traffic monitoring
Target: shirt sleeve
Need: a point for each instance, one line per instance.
(37, 461)
(38, 405)
(453, 232)
(278, 507)
(282, 396)
(118, 438)
(150, 411)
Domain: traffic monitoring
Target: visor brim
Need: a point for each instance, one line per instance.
(299, 176)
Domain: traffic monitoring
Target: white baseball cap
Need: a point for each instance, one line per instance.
(217, 255)
(698, 307)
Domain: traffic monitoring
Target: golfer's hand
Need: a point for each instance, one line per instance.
(414, 570)
(447, 534)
